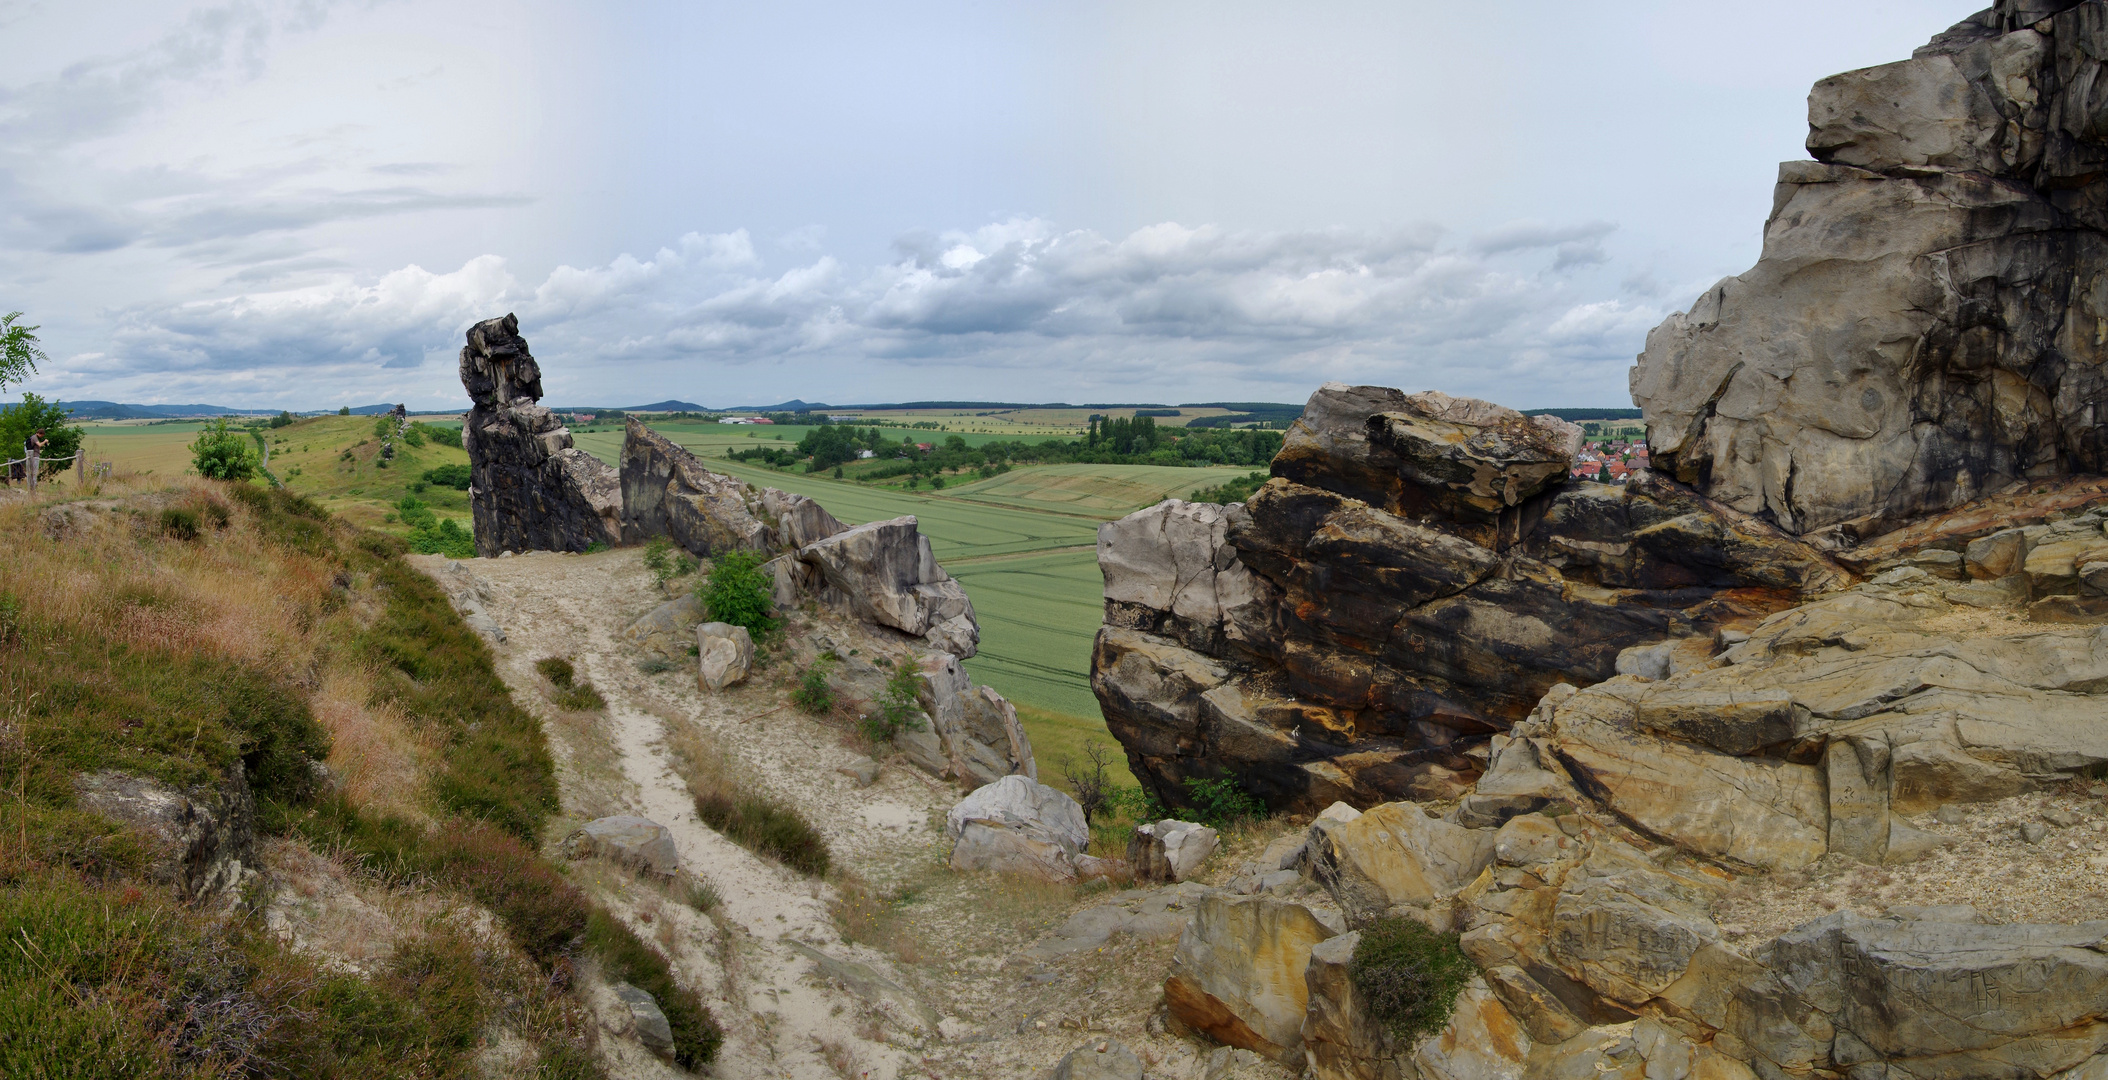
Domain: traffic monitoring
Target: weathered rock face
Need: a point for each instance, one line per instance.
(884, 573)
(1169, 850)
(1238, 974)
(199, 838)
(1019, 826)
(530, 489)
(724, 654)
(1418, 574)
(1927, 321)
(667, 492)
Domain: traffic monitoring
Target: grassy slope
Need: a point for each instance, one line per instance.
(205, 623)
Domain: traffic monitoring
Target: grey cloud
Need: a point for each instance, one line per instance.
(1530, 235)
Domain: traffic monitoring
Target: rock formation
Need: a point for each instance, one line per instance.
(530, 489)
(1928, 322)
(1417, 575)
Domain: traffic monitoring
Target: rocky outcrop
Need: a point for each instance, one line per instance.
(884, 573)
(667, 631)
(1417, 574)
(198, 840)
(1926, 322)
(667, 492)
(530, 489)
(627, 840)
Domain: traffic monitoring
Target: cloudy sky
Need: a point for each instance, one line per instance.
(303, 204)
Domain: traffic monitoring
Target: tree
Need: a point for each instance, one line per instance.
(1088, 780)
(36, 414)
(344, 410)
(18, 350)
(283, 419)
(222, 453)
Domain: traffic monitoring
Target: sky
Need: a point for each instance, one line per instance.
(303, 204)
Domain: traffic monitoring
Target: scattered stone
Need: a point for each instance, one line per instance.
(2063, 819)
(1950, 815)
(2069, 609)
(863, 771)
(646, 1019)
(530, 489)
(725, 655)
(1169, 850)
(1099, 1059)
(2033, 832)
(638, 843)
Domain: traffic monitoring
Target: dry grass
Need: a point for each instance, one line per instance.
(374, 752)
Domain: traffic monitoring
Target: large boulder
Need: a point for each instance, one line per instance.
(530, 489)
(724, 655)
(884, 573)
(1238, 974)
(666, 631)
(1020, 826)
(1169, 850)
(1921, 328)
(1416, 576)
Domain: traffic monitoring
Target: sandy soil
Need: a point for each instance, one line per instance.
(933, 949)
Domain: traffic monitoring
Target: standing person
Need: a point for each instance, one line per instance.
(33, 446)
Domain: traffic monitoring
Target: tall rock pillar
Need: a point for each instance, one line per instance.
(530, 489)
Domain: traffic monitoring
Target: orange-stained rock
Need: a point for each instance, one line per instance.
(1238, 975)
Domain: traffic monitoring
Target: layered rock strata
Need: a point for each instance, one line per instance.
(530, 489)
(1928, 321)
(1416, 575)
(882, 572)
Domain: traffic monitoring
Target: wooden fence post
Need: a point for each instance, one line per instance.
(32, 472)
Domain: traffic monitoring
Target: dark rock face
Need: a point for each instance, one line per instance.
(1417, 575)
(531, 490)
(200, 837)
(1928, 323)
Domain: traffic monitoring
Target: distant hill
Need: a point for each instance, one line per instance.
(1586, 414)
(671, 406)
(113, 410)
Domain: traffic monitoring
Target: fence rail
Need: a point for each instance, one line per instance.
(34, 463)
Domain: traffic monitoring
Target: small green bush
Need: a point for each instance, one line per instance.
(453, 476)
(768, 827)
(899, 707)
(812, 694)
(557, 670)
(1223, 802)
(1408, 976)
(654, 665)
(222, 453)
(572, 693)
(737, 592)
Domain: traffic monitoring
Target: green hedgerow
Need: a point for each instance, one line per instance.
(1408, 976)
(222, 453)
(738, 592)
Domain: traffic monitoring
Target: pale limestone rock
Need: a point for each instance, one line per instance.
(1628, 928)
(1238, 974)
(1169, 850)
(647, 1021)
(1098, 1059)
(1017, 825)
(725, 655)
(883, 572)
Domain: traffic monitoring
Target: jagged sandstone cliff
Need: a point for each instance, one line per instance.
(530, 489)
(1417, 574)
(1929, 320)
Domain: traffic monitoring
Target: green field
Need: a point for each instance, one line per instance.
(1023, 543)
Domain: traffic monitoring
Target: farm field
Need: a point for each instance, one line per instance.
(163, 449)
(1015, 423)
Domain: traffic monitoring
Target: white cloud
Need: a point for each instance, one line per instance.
(1163, 309)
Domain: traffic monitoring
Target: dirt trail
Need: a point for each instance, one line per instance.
(959, 990)
(780, 1020)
